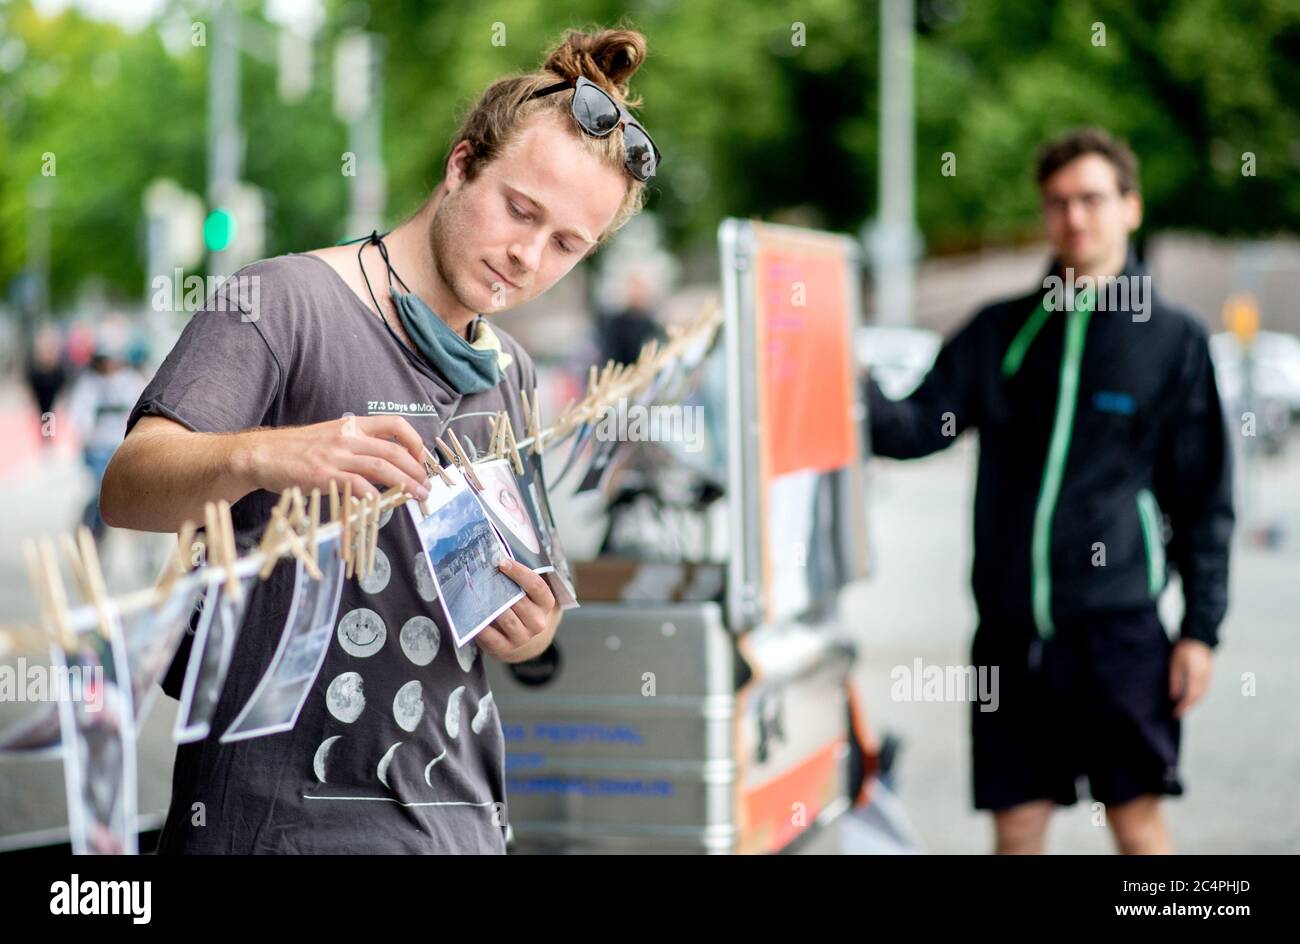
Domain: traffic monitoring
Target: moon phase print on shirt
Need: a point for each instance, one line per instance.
(385, 517)
(424, 584)
(429, 766)
(466, 655)
(408, 706)
(382, 770)
(420, 639)
(320, 763)
(375, 581)
(345, 698)
(482, 715)
(362, 632)
(453, 713)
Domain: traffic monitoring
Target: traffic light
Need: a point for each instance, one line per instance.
(219, 229)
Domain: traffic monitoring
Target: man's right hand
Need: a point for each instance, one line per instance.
(360, 449)
(164, 473)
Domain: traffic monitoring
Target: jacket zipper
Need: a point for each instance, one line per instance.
(1058, 450)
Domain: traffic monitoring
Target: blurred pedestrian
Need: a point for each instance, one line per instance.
(1103, 454)
(623, 333)
(99, 405)
(46, 376)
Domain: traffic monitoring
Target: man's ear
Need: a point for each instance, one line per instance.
(454, 173)
(1133, 210)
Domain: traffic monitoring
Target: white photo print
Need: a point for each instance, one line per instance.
(282, 691)
(463, 551)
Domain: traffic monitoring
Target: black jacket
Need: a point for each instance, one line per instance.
(1081, 498)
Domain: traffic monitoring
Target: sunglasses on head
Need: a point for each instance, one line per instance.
(598, 114)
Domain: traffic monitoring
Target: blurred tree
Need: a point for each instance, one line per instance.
(759, 106)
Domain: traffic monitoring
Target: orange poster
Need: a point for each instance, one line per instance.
(805, 382)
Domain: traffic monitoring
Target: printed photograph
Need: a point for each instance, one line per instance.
(509, 511)
(99, 769)
(214, 646)
(152, 635)
(280, 694)
(463, 551)
(560, 577)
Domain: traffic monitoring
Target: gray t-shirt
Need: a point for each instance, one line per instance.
(313, 352)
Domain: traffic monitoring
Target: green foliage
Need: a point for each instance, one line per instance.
(750, 122)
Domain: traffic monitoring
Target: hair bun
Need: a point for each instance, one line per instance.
(608, 57)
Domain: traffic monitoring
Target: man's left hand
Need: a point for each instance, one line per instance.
(1189, 673)
(527, 628)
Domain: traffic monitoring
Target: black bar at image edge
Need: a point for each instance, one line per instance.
(1070, 890)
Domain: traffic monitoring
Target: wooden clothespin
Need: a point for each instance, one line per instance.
(372, 536)
(448, 456)
(360, 528)
(282, 506)
(270, 544)
(530, 431)
(360, 532)
(457, 458)
(223, 551)
(313, 526)
(299, 551)
(435, 467)
(537, 423)
(466, 466)
(94, 576)
(297, 548)
(212, 536)
(229, 552)
(73, 555)
(345, 535)
(431, 468)
(350, 516)
(178, 561)
(512, 446)
(500, 443)
(494, 434)
(298, 506)
(44, 568)
(36, 577)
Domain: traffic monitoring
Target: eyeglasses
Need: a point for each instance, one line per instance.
(1091, 202)
(598, 115)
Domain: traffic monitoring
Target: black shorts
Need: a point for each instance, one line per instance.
(1091, 701)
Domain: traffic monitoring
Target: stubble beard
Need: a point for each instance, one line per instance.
(442, 247)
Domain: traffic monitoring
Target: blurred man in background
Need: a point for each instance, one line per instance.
(1100, 426)
(624, 332)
